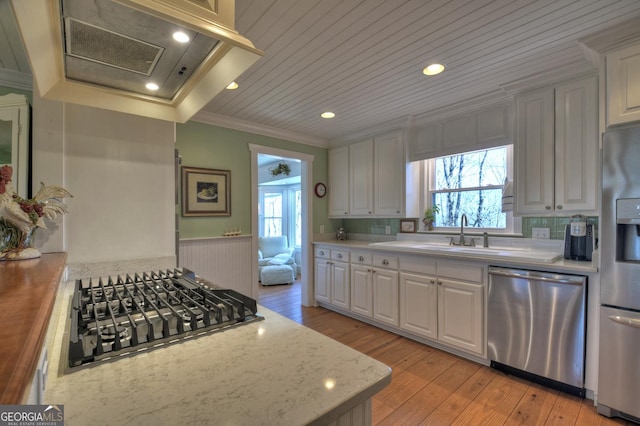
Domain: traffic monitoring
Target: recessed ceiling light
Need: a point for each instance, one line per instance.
(152, 86)
(232, 86)
(327, 114)
(181, 37)
(433, 69)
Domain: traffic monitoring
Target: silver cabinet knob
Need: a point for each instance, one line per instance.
(559, 207)
(547, 207)
(385, 262)
(339, 256)
(361, 258)
(322, 253)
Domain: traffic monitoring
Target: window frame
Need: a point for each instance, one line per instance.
(513, 224)
(287, 193)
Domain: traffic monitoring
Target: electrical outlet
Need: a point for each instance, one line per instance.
(387, 229)
(322, 229)
(540, 233)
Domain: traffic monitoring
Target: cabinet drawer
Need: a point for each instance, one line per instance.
(420, 264)
(385, 261)
(340, 255)
(461, 271)
(322, 252)
(361, 257)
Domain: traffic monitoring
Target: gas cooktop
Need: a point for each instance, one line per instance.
(126, 314)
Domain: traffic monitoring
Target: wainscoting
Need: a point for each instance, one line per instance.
(225, 261)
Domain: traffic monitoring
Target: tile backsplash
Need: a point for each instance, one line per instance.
(556, 225)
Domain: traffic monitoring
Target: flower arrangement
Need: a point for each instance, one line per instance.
(22, 216)
(281, 168)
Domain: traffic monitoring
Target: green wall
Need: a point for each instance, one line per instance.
(213, 147)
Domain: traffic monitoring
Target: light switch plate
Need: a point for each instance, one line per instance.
(540, 233)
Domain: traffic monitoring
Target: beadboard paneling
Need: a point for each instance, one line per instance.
(225, 262)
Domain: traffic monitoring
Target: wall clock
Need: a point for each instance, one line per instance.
(321, 189)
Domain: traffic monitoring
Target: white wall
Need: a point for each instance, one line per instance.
(119, 168)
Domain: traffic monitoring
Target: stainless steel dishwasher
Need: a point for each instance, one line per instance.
(536, 326)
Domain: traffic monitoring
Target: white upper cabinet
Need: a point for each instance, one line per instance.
(556, 150)
(361, 178)
(339, 185)
(367, 178)
(388, 175)
(623, 85)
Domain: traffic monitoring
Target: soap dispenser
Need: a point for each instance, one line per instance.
(341, 234)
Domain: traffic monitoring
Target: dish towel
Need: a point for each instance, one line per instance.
(507, 196)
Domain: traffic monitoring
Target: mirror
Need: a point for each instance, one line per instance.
(14, 139)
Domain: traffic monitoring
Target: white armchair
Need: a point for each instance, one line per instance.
(275, 251)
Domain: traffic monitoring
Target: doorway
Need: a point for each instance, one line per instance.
(287, 191)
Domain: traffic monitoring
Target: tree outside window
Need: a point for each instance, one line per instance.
(470, 183)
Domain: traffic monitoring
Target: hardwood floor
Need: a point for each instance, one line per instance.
(433, 387)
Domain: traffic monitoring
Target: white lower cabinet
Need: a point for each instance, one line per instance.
(331, 276)
(432, 298)
(385, 296)
(340, 284)
(322, 278)
(443, 300)
(361, 290)
(419, 304)
(460, 315)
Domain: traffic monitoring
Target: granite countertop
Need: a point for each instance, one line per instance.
(272, 372)
(560, 265)
(27, 294)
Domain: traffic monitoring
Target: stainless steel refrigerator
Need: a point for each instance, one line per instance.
(619, 370)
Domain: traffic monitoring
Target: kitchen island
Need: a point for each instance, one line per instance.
(272, 372)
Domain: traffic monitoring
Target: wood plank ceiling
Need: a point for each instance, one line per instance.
(363, 59)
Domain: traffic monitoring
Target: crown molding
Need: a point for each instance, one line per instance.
(575, 69)
(259, 129)
(15, 79)
(615, 37)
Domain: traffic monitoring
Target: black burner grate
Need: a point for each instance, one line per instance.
(120, 315)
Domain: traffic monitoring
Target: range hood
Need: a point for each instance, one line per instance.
(102, 53)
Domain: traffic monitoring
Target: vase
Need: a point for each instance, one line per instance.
(16, 244)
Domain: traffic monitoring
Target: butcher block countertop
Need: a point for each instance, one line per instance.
(269, 372)
(28, 290)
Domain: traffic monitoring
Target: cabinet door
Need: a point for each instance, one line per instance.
(322, 277)
(576, 146)
(339, 182)
(460, 315)
(361, 290)
(340, 284)
(534, 153)
(385, 296)
(361, 178)
(389, 175)
(419, 304)
(623, 85)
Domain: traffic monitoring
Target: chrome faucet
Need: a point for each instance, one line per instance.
(462, 242)
(463, 221)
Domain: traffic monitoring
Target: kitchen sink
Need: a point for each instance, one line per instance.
(479, 252)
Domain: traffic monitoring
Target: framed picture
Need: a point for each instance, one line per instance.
(408, 225)
(206, 192)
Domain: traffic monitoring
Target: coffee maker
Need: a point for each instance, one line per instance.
(578, 239)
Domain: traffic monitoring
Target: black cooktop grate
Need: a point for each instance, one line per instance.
(123, 314)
